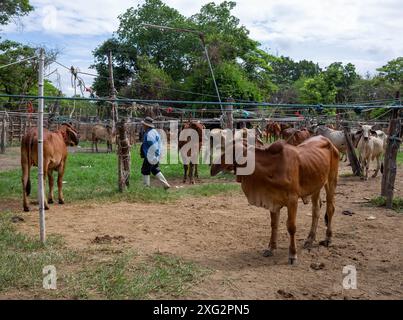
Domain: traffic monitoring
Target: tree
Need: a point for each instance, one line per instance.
(20, 78)
(393, 71)
(341, 78)
(178, 59)
(124, 66)
(317, 90)
(10, 9)
(286, 71)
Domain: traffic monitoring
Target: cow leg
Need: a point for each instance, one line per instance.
(274, 219)
(197, 171)
(51, 182)
(291, 228)
(378, 166)
(185, 171)
(26, 183)
(60, 174)
(315, 218)
(330, 191)
(366, 168)
(96, 145)
(191, 168)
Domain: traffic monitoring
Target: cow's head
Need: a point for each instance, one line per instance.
(70, 135)
(235, 154)
(366, 131)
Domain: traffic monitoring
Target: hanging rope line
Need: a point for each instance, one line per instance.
(17, 62)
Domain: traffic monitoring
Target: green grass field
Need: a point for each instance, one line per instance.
(94, 176)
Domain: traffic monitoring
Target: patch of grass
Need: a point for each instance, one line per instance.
(397, 204)
(101, 273)
(127, 278)
(400, 158)
(94, 176)
(23, 258)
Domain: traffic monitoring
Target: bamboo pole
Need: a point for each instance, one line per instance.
(41, 186)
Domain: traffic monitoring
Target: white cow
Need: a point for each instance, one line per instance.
(370, 147)
(337, 137)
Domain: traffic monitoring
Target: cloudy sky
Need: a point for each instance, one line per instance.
(367, 33)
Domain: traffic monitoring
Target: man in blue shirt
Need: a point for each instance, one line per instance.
(150, 150)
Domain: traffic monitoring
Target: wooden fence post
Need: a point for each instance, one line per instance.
(355, 164)
(123, 154)
(390, 166)
(229, 121)
(3, 136)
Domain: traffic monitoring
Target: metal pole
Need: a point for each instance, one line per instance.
(41, 191)
(212, 72)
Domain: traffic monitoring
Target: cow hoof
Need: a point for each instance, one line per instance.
(308, 244)
(268, 253)
(46, 207)
(61, 201)
(292, 261)
(26, 209)
(325, 243)
(50, 201)
(192, 182)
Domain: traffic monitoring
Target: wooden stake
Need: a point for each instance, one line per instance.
(355, 164)
(389, 165)
(3, 137)
(228, 120)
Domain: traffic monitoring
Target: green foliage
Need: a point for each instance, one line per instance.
(317, 90)
(10, 9)
(150, 83)
(393, 71)
(287, 71)
(21, 78)
(160, 59)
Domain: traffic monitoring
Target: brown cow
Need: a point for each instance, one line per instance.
(294, 136)
(283, 174)
(273, 130)
(191, 168)
(102, 133)
(54, 158)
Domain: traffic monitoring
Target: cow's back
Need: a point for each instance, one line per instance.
(317, 157)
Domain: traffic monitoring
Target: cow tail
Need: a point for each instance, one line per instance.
(28, 187)
(382, 167)
(28, 144)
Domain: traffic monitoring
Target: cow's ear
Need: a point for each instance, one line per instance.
(73, 136)
(359, 132)
(373, 132)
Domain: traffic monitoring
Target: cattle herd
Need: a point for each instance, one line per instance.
(292, 164)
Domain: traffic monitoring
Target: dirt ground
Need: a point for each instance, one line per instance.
(227, 236)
